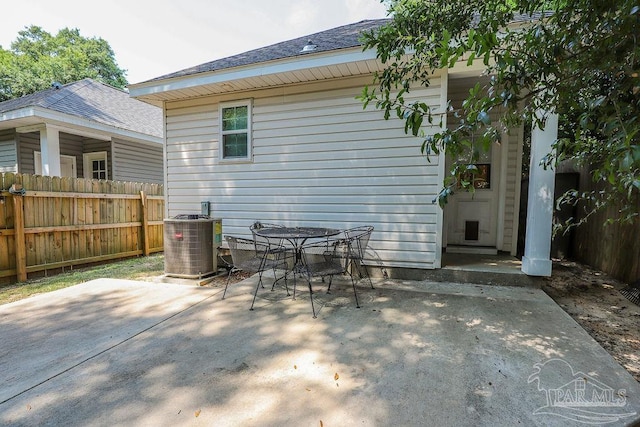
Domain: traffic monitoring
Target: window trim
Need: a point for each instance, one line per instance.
(239, 103)
(88, 158)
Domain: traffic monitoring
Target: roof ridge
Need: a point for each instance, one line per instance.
(107, 85)
(306, 36)
(69, 89)
(331, 39)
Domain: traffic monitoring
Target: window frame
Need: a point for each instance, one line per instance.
(221, 133)
(88, 159)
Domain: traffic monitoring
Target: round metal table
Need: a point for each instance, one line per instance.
(297, 236)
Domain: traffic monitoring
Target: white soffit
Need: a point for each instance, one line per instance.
(345, 63)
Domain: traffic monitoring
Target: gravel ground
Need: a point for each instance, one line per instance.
(594, 300)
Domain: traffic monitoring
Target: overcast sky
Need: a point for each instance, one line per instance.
(155, 37)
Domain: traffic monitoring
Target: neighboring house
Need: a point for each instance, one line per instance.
(84, 129)
(277, 134)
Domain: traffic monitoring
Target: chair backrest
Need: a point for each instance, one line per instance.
(326, 257)
(358, 238)
(259, 225)
(246, 254)
(266, 240)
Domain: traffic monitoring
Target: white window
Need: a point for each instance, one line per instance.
(235, 131)
(95, 165)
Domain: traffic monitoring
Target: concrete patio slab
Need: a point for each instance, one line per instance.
(113, 352)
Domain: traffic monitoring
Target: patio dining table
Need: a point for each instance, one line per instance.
(297, 236)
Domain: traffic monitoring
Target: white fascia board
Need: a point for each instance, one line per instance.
(297, 63)
(21, 113)
(73, 124)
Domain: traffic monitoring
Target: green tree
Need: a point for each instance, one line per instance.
(577, 58)
(37, 59)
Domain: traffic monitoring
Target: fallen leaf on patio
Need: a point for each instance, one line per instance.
(197, 414)
(295, 366)
(336, 377)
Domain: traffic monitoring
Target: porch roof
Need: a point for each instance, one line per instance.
(85, 105)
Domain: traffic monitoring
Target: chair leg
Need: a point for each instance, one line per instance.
(366, 270)
(286, 285)
(366, 273)
(255, 294)
(227, 285)
(313, 309)
(294, 285)
(355, 294)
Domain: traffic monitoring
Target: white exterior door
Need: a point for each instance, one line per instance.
(67, 165)
(472, 218)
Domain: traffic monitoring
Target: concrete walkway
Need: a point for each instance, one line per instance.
(113, 352)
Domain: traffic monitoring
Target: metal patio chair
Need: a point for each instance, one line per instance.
(275, 245)
(254, 257)
(358, 240)
(260, 225)
(327, 258)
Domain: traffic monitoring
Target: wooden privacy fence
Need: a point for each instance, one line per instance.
(55, 222)
(613, 248)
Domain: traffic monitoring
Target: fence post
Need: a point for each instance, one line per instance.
(21, 247)
(145, 224)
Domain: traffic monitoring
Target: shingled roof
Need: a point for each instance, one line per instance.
(94, 101)
(344, 37)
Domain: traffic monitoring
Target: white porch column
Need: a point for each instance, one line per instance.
(537, 249)
(50, 151)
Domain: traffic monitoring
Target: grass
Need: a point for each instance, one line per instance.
(133, 269)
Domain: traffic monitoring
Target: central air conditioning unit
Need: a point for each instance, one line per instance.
(189, 249)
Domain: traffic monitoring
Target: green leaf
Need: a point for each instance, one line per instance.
(627, 161)
(483, 117)
(416, 123)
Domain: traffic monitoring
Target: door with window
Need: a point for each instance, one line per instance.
(472, 218)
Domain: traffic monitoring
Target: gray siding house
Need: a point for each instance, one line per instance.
(276, 134)
(83, 129)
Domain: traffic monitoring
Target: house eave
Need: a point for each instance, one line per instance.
(300, 69)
